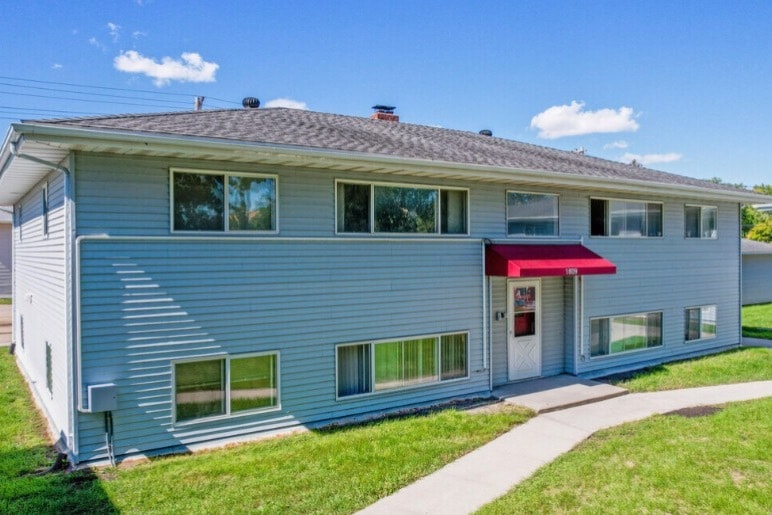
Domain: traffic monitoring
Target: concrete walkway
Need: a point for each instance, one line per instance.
(6, 311)
(757, 342)
(490, 471)
(556, 392)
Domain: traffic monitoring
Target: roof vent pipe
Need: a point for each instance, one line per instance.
(486, 132)
(198, 103)
(250, 103)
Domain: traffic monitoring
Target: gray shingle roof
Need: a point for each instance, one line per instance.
(755, 247)
(310, 129)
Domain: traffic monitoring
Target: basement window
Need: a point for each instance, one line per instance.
(700, 323)
(205, 201)
(364, 368)
(225, 386)
(625, 333)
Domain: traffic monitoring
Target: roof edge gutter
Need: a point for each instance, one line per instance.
(14, 151)
(132, 141)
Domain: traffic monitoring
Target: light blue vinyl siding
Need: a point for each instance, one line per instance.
(6, 259)
(757, 278)
(145, 303)
(40, 297)
(666, 274)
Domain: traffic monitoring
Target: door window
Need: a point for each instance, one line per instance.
(525, 311)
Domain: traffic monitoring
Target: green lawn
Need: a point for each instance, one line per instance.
(332, 471)
(719, 463)
(757, 321)
(734, 366)
(6, 301)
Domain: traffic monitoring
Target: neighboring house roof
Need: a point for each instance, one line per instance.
(755, 247)
(766, 208)
(322, 138)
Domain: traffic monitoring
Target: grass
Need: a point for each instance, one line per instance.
(25, 456)
(719, 463)
(5, 301)
(734, 366)
(338, 470)
(757, 321)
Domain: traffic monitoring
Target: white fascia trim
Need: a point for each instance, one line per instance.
(139, 143)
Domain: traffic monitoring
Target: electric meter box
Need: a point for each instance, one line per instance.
(102, 397)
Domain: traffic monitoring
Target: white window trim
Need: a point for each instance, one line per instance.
(536, 236)
(225, 174)
(373, 343)
(610, 355)
(227, 414)
(697, 340)
(700, 237)
(608, 221)
(371, 209)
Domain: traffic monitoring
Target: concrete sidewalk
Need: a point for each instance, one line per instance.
(490, 471)
(757, 342)
(6, 335)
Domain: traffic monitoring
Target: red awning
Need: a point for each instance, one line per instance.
(522, 260)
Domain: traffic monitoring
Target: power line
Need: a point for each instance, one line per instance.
(40, 88)
(165, 93)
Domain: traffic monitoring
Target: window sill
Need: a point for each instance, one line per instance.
(360, 396)
(217, 418)
(623, 353)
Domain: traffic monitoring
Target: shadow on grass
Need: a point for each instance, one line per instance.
(28, 486)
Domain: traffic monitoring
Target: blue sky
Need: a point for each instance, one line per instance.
(680, 86)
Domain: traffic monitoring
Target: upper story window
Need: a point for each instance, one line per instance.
(215, 201)
(398, 209)
(625, 218)
(532, 214)
(700, 222)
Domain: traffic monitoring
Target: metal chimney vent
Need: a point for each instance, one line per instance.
(486, 132)
(250, 103)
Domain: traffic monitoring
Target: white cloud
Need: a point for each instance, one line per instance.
(571, 120)
(647, 159)
(617, 144)
(56, 66)
(95, 42)
(114, 30)
(288, 103)
(138, 34)
(190, 68)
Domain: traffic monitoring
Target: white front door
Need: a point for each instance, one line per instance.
(524, 332)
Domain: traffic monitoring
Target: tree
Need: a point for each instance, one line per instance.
(751, 217)
(765, 189)
(761, 231)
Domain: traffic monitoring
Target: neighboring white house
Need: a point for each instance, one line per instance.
(206, 276)
(757, 272)
(6, 251)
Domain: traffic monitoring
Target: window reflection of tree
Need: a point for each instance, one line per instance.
(250, 202)
(198, 202)
(405, 210)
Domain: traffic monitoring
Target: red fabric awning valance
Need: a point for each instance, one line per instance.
(522, 260)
